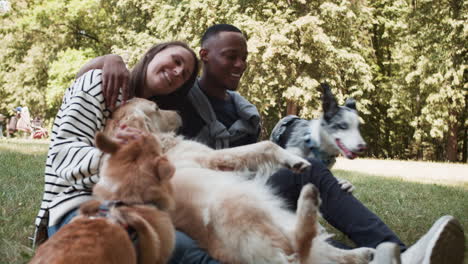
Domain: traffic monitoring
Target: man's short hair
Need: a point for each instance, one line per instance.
(216, 29)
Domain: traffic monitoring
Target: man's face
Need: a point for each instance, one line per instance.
(224, 57)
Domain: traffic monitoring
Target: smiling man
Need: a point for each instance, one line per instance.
(224, 55)
(222, 118)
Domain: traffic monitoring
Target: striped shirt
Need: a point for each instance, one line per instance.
(72, 166)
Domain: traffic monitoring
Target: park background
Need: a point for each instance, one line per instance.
(404, 61)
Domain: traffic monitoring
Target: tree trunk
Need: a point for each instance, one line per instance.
(291, 108)
(465, 146)
(452, 141)
(465, 131)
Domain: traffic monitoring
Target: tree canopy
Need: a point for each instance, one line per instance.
(405, 62)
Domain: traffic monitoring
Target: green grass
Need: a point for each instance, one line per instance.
(22, 179)
(408, 208)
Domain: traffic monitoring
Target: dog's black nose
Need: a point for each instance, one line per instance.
(362, 147)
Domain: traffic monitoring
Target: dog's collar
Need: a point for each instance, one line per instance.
(104, 212)
(107, 204)
(314, 147)
(105, 207)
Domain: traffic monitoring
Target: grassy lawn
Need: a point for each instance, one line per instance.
(22, 178)
(408, 208)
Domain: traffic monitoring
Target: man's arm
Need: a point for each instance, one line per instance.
(115, 75)
(96, 63)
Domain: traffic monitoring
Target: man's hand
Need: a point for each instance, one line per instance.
(115, 75)
(346, 185)
(126, 134)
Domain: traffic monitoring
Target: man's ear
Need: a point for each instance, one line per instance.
(203, 55)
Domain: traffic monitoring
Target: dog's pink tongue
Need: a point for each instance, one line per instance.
(349, 154)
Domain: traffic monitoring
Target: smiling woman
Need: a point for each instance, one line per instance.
(165, 74)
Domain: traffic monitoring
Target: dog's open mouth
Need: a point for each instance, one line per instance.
(348, 153)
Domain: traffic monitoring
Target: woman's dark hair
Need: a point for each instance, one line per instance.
(170, 101)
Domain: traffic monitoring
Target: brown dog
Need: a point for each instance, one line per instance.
(135, 185)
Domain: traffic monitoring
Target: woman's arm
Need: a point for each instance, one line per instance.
(73, 156)
(115, 76)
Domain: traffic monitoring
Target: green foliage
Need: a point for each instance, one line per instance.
(404, 62)
(61, 74)
(429, 90)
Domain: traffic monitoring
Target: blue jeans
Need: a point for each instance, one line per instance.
(65, 220)
(187, 251)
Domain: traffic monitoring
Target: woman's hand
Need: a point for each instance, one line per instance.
(126, 134)
(115, 75)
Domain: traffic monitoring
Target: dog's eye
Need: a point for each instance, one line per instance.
(342, 126)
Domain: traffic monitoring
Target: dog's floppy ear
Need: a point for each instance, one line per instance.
(351, 103)
(105, 144)
(329, 104)
(164, 169)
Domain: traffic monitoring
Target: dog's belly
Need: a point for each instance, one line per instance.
(196, 191)
(226, 214)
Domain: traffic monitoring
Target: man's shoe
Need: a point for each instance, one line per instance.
(443, 243)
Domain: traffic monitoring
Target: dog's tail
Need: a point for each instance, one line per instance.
(149, 243)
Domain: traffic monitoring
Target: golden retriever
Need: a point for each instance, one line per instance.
(134, 193)
(222, 200)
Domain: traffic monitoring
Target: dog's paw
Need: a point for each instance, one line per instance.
(298, 166)
(362, 255)
(294, 162)
(308, 204)
(346, 185)
(311, 194)
(387, 253)
(293, 259)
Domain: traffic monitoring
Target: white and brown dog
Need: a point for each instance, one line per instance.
(223, 202)
(134, 196)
